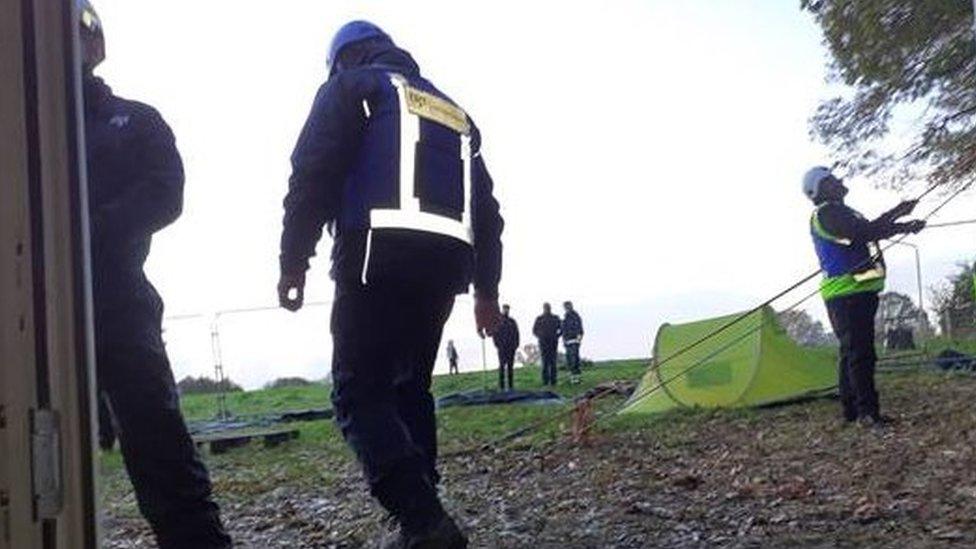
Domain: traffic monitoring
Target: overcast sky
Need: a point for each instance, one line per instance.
(647, 155)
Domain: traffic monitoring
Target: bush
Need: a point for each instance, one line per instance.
(190, 385)
(283, 382)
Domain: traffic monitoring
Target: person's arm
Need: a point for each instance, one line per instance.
(488, 226)
(515, 334)
(328, 143)
(325, 149)
(154, 197)
(842, 222)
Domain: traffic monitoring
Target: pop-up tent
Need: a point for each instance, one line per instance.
(750, 363)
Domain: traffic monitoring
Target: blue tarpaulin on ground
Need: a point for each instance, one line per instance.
(481, 397)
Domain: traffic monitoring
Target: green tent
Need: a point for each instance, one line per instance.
(751, 363)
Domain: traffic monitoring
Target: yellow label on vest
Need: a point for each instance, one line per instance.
(431, 107)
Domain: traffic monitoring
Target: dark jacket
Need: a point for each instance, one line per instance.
(135, 188)
(572, 327)
(507, 336)
(547, 327)
(842, 221)
(346, 163)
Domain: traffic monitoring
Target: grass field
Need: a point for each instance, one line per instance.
(783, 476)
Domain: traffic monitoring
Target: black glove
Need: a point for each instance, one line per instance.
(914, 226)
(903, 209)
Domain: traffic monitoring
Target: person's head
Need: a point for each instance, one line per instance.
(506, 309)
(450, 343)
(821, 185)
(546, 308)
(353, 44)
(91, 35)
(568, 305)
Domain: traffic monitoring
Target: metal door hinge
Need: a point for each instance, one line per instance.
(46, 463)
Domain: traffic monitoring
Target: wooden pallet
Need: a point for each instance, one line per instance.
(222, 442)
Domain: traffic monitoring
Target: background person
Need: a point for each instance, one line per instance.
(452, 357)
(547, 329)
(572, 329)
(506, 342)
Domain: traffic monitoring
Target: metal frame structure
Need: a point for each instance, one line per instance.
(47, 481)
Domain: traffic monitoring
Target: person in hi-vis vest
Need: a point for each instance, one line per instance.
(854, 275)
(393, 166)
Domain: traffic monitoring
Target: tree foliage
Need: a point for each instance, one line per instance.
(955, 303)
(204, 385)
(910, 60)
(898, 312)
(283, 382)
(804, 330)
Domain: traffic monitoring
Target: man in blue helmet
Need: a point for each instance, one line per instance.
(854, 275)
(394, 167)
(135, 188)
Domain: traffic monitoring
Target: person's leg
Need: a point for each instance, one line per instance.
(501, 369)
(543, 362)
(367, 335)
(106, 425)
(510, 368)
(172, 484)
(840, 320)
(423, 327)
(863, 356)
(572, 358)
(553, 357)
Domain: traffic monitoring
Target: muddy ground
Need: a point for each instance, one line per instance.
(791, 476)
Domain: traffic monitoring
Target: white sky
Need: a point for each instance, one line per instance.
(647, 155)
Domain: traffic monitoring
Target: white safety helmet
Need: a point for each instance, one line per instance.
(812, 180)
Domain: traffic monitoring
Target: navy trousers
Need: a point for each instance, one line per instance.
(548, 349)
(573, 357)
(386, 340)
(506, 369)
(171, 482)
(852, 318)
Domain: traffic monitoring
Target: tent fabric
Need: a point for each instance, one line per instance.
(751, 363)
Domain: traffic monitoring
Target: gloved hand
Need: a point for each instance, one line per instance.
(288, 283)
(903, 209)
(487, 315)
(914, 226)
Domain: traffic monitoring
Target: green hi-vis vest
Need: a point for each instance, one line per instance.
(849, 267)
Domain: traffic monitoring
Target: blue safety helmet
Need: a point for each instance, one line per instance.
(350, 33)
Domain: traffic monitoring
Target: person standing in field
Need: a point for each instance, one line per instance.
(846, 244)
(572, 331)
(547, 329)
(452, 357)
(394, 167)
(506, 342)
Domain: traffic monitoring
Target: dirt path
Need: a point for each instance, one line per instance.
(786, 477)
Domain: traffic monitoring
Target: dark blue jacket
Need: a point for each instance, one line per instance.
(547, 327)
(507, 336)
(572, 327)
(347, 162)
(135, 188)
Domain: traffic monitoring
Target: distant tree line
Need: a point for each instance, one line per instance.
(283, 382)
(203, 385)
